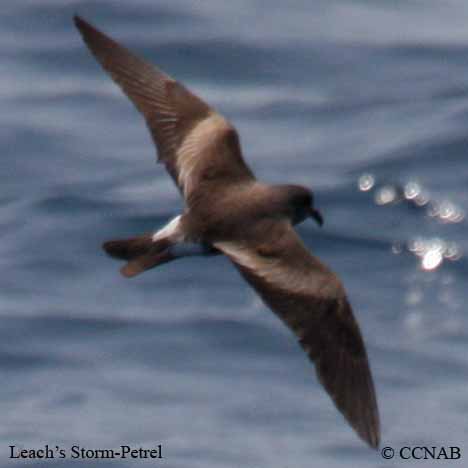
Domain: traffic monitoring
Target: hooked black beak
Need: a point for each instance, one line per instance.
(313, 213)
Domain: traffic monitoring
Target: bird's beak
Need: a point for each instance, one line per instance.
(313, 213)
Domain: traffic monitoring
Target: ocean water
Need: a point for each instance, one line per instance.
(365, 102)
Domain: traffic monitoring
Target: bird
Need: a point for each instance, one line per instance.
(228, 211)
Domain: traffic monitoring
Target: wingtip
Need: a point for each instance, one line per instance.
(373, 440)
(79, 21)
(82, 25)
(369, 432)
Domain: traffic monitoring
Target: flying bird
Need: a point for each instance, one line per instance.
(228, 211)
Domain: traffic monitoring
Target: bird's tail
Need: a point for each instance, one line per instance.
(141, 253)
(128, 249)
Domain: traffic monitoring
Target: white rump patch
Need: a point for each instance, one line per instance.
(180, 247)
(171, 229)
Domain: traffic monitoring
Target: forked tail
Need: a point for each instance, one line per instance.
(141, 253)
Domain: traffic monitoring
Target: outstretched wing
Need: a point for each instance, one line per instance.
(310, 300)
(198, 146)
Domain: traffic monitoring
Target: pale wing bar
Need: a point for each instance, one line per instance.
(310, 300)
(172, 113)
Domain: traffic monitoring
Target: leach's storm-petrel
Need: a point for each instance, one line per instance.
(228, 211)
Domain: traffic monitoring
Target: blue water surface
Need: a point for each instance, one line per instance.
(365, 102)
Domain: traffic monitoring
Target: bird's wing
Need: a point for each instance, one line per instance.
(310, 300)
(198, 146)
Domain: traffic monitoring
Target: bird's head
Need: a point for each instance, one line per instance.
(301, 203)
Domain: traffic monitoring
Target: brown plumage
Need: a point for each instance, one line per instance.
(228, 211)
(311, 301)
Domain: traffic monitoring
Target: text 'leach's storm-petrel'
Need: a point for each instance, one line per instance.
(228, 211)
